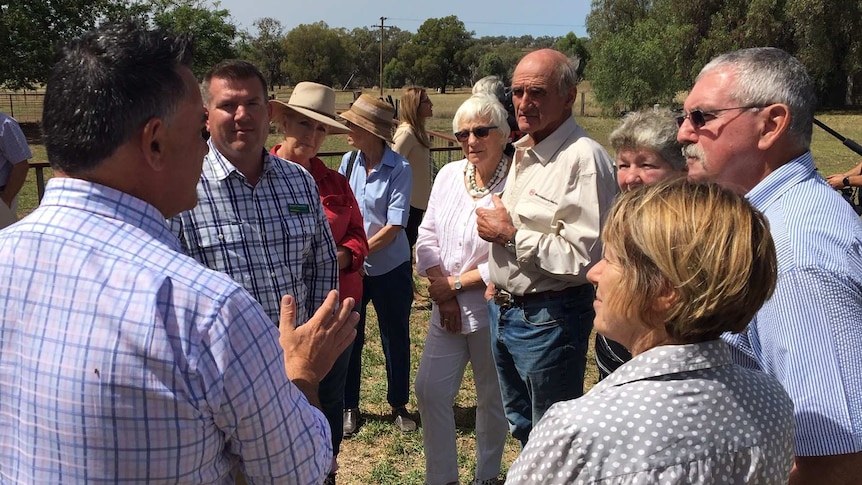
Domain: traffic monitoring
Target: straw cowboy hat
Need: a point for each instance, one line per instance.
(315, 101)
(372, 115)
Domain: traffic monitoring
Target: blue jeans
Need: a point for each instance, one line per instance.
(392, 296)
(331, 394)
(540, 348)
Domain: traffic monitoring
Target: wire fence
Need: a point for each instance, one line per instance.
(23, 106)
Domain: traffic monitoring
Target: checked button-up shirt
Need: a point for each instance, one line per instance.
(273, 238)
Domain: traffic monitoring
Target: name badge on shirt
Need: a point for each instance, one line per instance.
(298, 208)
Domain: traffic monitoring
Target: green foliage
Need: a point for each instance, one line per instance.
(267, 51)
(30, 30)
(213, 31)
(635, 68)
(316, 52)
(572, 46)
(822, 34)
(435, 56)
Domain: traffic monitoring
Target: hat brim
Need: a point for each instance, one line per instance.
(333, 126)
(373, 128)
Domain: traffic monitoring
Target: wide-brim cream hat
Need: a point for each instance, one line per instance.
(373, 115)
(315, 101)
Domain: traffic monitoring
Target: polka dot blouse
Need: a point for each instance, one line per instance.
(673, 414)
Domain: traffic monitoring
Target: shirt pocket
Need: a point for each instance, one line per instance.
(338, 208)
(223, 248)
(292, 243)
(536, 213)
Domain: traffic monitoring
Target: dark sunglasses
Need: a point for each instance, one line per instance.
(700, 117)
(479, 131)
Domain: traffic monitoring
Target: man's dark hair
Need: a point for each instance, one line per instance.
(105, 86)
(232, 70)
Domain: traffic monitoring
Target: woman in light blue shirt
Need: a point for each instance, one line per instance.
(381, 181)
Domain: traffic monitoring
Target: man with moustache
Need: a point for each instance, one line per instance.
(748, 126)
(545, 237)
(123, 360)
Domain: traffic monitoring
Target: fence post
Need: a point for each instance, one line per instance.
(11, 106)
(583, 102)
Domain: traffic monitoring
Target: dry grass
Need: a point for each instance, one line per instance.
(381, 454)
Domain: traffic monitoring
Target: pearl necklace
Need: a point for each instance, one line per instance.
(474, 188)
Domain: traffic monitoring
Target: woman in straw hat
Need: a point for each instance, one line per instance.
(381, 180)
(305, 120)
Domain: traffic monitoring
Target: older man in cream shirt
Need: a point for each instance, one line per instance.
(545, 237)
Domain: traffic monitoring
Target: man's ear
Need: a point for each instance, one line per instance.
(153, 143)
(572, 96)
(776, 122)
(207, 117)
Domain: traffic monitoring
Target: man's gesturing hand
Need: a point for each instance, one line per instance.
(311, 349)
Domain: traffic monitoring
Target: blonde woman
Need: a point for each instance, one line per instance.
(411, 142)
(682, 264)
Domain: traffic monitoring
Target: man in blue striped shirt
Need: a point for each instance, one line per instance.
(121, 359)
(748, 125)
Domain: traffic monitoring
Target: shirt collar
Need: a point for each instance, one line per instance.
(64, 192)
(668, 359)
(218, 167)
(318, 169)
(547, 148)
(389, 158)
(778, 182)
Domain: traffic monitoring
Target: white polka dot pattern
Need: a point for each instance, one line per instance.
(674, 414)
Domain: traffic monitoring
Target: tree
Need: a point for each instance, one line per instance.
(636, 67)
(823, 34)
(828, 43)
(267, 51)
(317, 53)
(435, 56)
(213, 31)
(571, 45)
(366, 53)
(30, 30)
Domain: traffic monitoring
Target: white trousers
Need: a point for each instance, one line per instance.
(438, 380)
(8, 216)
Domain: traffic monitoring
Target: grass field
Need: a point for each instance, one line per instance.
(379, 454)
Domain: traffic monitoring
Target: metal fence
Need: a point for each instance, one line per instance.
(23, 106)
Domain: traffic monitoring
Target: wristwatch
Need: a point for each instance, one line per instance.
(846, 181)
(510, 244)
(458, 282)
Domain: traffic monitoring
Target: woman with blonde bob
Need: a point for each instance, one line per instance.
(683, 263)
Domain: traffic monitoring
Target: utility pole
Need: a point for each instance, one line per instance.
(382, 19)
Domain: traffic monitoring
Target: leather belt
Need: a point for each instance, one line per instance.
(505, 299)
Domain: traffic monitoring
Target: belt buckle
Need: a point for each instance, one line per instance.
(503, 298)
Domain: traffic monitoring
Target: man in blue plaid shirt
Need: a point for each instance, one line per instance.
(123, 360)
(259, 218)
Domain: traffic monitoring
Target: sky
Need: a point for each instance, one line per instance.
(485, 18)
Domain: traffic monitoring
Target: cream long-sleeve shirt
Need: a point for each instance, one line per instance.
(558, 194)
(406, 144)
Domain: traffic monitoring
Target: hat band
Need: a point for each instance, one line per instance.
(371, 112)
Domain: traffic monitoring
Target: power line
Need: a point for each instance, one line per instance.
(482, 22)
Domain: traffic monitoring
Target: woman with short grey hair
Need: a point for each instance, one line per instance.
(451, 255)
(646, 152)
